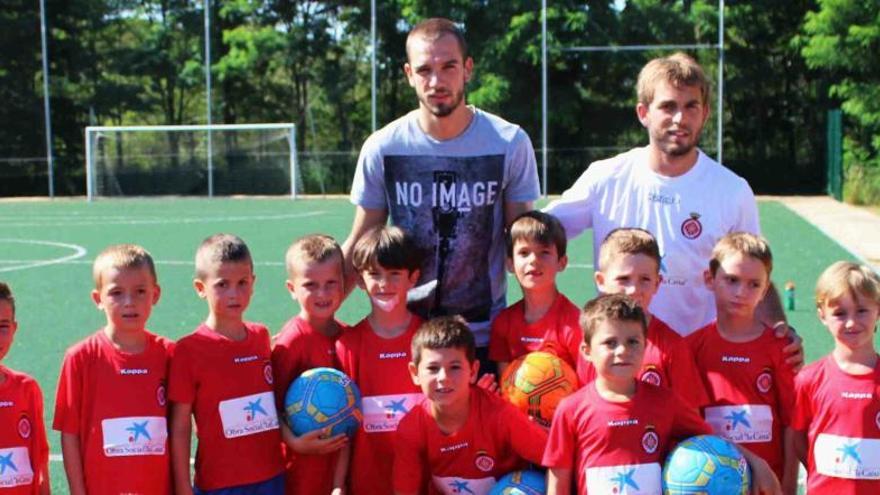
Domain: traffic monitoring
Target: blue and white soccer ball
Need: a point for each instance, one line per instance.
(520, 483)
(322, 398)
(708, 465)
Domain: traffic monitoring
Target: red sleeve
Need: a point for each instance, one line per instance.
(687, 421)
(40, 458)
(802, 412)
(784, 379)
(286, 366)
(346, 351)
(684, 377)
(409, 454)
(525, 436)
(499, 350)
(560, 451)
(181, 384)
(68, 396)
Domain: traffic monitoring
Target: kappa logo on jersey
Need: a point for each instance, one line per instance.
(267, 372)
(161, 395)
(650, 440)
(764, 382)
(652, 376)
(692, 228)
(24, 426)
(484, 462)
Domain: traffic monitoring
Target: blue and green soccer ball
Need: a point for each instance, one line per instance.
(322, 398)
(520, 483)
(707, 465)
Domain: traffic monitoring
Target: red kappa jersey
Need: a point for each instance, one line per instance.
(299, 347)
(751, 390)
(115, 402)
(668, 362)
(229, 384)
(558, 331)
(379, 367)
(840, 414)
(24, 451)
(496, 439)
(610, 443)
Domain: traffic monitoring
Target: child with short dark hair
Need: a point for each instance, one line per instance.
(24, 454)
(110, 405)
(544, 319)
(742, 363)
(459, 438)
(618, 429)
(375, 353)
(315, 281)
(836, 419)
(629, 263)
(222, 375)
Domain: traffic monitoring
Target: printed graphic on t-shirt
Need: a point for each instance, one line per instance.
(15, 467)
(129, 436)
(384, 412)
(248, 415)
(452, 485)
(448, 205)
(847, 457)
(749, 423)
(632, 479)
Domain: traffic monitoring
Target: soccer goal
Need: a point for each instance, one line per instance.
(191, 160)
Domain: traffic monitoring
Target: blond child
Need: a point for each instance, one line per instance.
(617, 430)
(460, 437)
(24, 451)
(376, 352)
(110, 406)
(221, 374)
(836, 420)
(544, 318)
(629, 263)
(741, 361)
(308, 340)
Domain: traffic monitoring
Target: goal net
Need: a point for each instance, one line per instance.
(191, 160)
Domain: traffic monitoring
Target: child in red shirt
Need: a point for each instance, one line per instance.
(617, 430)
(110, 406)
(308, 340)
(836, 420)
(544, 319)
(222, 375)
(629, 263)
(740, 359)
(376, 352)
(24, 451)
(459, 438)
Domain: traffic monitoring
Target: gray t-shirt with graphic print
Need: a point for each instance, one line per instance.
(449, 195)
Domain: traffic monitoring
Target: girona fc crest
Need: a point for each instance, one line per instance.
(692, 228)
(652, 376)
(877, 420)
(24, 427)
(764, 382)
(650, 440)
(161, 397)
(267, 373)
(484, 462)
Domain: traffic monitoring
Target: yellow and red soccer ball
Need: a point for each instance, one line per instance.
(536, 383)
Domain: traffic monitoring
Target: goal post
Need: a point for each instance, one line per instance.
(221, 159)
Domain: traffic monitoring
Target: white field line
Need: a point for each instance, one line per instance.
(102, 221)
(78, 252)
(89, 262)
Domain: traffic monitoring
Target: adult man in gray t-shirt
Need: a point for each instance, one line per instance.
(450, 175)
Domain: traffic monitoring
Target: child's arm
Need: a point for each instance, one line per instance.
(73, 466)
(764, 482)
(502, 365)
(558, 481)
(312, 443)
(795, 450)
(181, 433)
(340, 473)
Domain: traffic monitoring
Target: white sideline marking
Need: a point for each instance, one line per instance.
(89, 262)
(585, 266)
(73, 222)
(79, 252)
